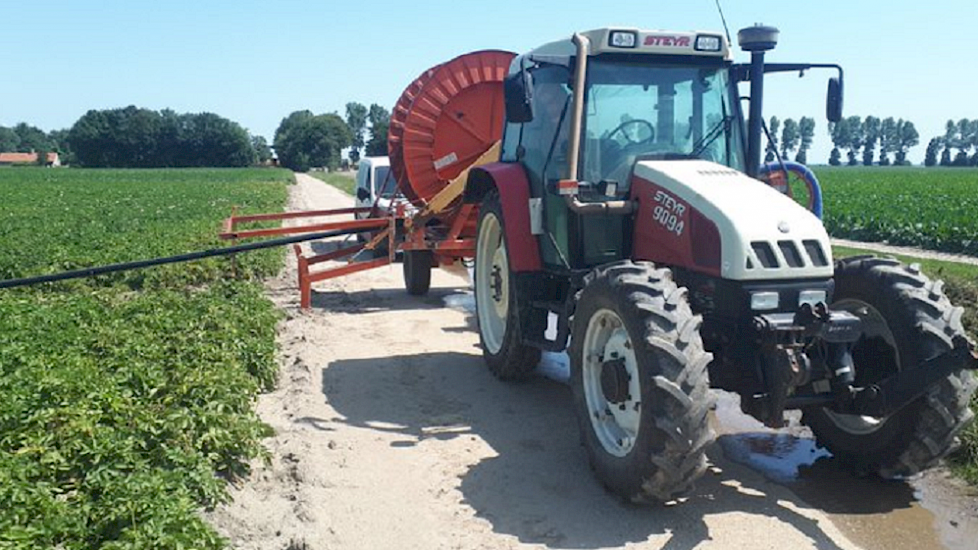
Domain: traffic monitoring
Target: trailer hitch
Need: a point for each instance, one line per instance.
(896, 392)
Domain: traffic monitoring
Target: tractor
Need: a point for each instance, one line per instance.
(625, 222)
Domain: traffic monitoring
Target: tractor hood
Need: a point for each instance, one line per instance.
(763, 234)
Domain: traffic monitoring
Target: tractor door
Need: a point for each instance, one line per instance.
(541, 146)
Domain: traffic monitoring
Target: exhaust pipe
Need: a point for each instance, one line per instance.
(574, 145)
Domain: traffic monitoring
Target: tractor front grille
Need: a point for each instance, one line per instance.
(787, 254)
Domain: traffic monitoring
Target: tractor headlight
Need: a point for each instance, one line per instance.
(707, 43)
(763, 301)
(811, 297)
(623, 39)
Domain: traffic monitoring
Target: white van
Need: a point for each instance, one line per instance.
(374, 183)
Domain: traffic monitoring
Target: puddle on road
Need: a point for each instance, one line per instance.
(875, 514)
(922, 514)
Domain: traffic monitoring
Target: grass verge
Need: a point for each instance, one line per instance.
(128, 402)
(961, 286)
(344, 181)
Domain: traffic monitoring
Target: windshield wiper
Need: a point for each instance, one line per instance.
(718, 129)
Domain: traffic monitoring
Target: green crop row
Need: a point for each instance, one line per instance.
(123, 412)
(929, 208)
(56, 220)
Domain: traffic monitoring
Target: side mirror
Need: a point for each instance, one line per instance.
(833, 100)
(363, 194)
(516, 90)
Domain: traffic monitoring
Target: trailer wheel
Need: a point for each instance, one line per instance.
(417, 271)
(496, 301)
(906, 319)
(640, 383)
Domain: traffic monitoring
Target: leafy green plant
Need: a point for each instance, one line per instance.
(125, 411)
(929, 208)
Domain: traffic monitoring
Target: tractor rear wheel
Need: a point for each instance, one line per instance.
(417, 271)
(496, 300)
(640, 383)
(906, 319)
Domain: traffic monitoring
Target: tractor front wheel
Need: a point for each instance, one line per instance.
(906, 319)
(640, 384)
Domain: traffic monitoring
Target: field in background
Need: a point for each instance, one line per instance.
(933, 208)
(128, 399)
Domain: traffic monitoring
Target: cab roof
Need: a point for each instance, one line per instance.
(636, 41)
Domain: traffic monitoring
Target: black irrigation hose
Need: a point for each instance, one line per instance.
(139, 264)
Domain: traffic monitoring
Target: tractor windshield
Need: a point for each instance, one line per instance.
(637, 111)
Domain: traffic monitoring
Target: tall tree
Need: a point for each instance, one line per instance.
(973, 139)
(304, 140)
(930, 157)
(949, 142)
(789, 137)
(379, 118)
(8, 140)
(964, 142)
(856, 136)
(806, 130)
(263, 153)
(888, 139)
(31, 138)
(908, 138)
(772, 142)
(839, 132)
(871, 133)
(356, 120)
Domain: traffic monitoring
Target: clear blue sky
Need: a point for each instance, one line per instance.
(256, 61)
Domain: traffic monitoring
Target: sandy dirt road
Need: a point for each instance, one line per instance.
(391, 433)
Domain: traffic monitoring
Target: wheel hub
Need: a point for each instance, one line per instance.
(496, 284)
(614, 380)
(610, 378)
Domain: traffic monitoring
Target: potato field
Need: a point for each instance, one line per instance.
(933, 208)
(127, 400)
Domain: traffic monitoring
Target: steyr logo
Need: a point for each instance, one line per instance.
(664, 40)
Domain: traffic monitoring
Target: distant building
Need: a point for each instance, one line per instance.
(27, 158)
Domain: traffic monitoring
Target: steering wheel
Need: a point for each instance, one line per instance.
(628, 138)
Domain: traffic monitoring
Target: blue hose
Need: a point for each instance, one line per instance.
(806, 175)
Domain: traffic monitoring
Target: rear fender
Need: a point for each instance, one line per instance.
(514, 196)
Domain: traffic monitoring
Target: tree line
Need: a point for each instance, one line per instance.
(132, 137)
(872, 140)
(794, 136)
(961, 135)
(304, 140)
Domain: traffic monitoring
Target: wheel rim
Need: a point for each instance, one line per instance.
(492, 283)
(615, 423)
(874, 326)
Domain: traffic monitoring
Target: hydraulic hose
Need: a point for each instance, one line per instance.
(190, 256)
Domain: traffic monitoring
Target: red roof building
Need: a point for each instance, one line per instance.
(28, 158)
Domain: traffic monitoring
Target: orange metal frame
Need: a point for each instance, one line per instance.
(447, 247)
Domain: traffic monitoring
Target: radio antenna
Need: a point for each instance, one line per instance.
(724, 19)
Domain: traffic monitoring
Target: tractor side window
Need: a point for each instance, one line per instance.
(544, 139)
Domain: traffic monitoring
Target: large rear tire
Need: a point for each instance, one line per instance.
(417, 271)
(906, 319)
(640, 383)
(496, 300)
